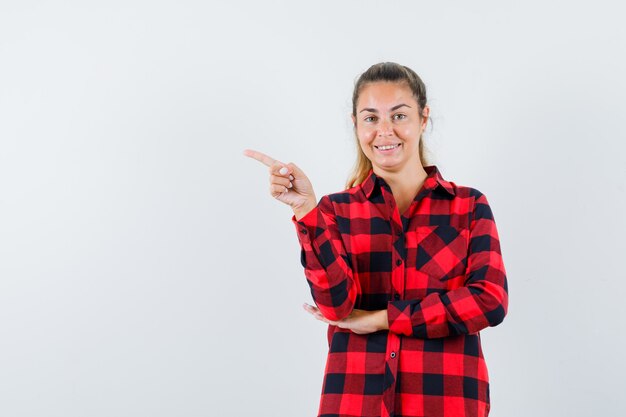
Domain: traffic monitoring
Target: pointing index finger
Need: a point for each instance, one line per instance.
(259, 156)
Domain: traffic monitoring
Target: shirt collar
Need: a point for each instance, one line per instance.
(433, 180)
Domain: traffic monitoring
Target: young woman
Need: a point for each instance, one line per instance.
(403, 265)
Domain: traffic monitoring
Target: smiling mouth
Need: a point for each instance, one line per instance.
(388, 147)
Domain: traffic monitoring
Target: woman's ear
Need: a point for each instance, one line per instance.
(353, 120)
(425, 114)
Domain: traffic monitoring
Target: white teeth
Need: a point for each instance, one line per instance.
(384, 148)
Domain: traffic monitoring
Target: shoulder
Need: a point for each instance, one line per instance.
(471, 200)
(338, 201)
(347, 196)
(479, 207)
(467, 192)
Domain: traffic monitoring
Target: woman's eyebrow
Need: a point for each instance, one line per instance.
(391, 109)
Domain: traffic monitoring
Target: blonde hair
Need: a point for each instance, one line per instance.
(390, 72)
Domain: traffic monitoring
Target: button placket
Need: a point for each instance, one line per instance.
(397, 288)
(399, 253)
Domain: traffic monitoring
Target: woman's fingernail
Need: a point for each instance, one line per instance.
(291, 177)
(290, 185)
(283, 171)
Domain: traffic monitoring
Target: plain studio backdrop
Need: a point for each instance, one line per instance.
(145, 269)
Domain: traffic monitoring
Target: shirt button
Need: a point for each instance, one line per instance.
(304, 231)
(396, 296)
(393, 355)
(399, 262)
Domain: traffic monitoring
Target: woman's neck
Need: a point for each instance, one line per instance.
(404, 184)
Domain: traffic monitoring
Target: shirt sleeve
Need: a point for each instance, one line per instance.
(481, 302)
(326, 263)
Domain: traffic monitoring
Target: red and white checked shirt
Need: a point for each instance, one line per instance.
(438, 271)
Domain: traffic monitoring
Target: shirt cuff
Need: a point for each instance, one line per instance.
(399, 317)
(306, 225)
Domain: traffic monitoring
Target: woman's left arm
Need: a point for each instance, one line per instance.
(480, 303)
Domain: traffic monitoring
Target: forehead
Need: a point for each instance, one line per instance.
(383, 95)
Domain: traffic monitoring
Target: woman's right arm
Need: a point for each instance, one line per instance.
(301, 212)
(326, 264)
(323, 255)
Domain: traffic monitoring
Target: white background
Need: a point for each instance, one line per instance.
(146, 271)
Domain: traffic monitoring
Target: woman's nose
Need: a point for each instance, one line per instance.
(384, 129)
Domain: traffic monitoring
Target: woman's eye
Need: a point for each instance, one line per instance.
(367, 119)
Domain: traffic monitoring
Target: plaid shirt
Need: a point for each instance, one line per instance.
(438, 271)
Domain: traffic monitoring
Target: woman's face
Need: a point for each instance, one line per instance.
(387, 114)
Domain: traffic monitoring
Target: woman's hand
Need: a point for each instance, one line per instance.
(288, 183)
(359, 321)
